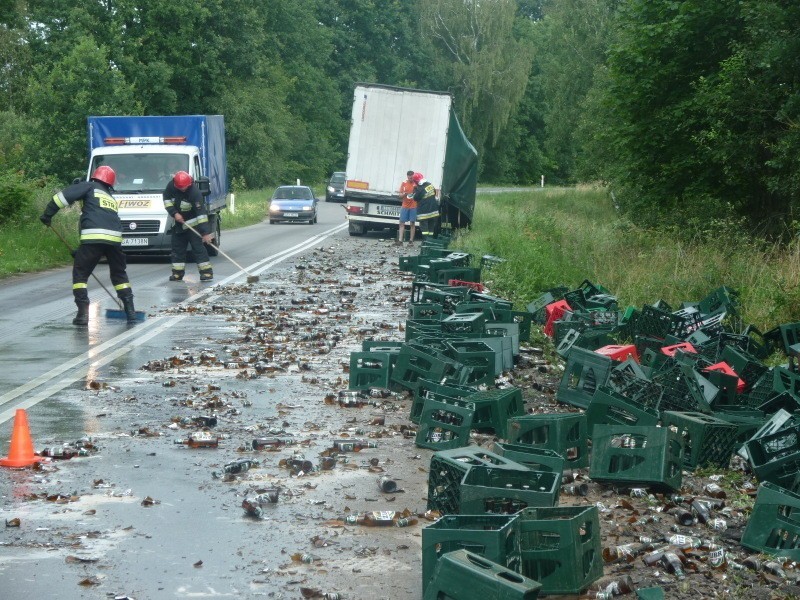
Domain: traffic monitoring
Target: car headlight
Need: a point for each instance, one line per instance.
(330, 188)
(273, 208)
(308, 208)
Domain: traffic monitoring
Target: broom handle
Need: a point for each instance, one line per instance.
(114, 298)
(217, 248)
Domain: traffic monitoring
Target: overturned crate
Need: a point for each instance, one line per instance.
(774, 524)
(637, 456)
(462, 575)
(564, 433)
(776, 457)
(494, 537)
(585, 372)
(561, 547)
(533, 457)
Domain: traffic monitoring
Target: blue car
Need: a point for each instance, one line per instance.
(293, 203)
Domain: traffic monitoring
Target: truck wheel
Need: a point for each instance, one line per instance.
(215, 229)
(355, 230)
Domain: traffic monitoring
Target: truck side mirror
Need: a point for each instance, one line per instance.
(204, 185)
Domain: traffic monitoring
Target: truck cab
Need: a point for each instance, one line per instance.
(142, 174)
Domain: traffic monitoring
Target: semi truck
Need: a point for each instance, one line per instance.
(394, 130)
(145, 152)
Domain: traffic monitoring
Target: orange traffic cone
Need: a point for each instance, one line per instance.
(21, 453)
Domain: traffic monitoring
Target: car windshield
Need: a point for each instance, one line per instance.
(293, 193)
(338, 178)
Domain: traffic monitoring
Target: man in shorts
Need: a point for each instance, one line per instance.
(408, 210)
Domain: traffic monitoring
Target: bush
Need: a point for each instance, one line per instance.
(16, 195)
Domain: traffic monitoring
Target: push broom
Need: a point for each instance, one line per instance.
(250, 278)
(111, 313)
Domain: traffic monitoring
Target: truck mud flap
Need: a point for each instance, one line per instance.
(355, 229)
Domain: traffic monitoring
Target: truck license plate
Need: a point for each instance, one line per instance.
(132, 241)
(388, 211)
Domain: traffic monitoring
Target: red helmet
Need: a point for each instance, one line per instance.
(182, 180)
(417, 177)
(105, 174)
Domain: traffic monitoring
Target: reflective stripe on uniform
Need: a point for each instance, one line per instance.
(104, 235)
(204, 266)
(168, 204)
(122, 286)
(185, 206)
(79, 286)
(179, 266)
(60, 201)
(196, 221)
(106, 201)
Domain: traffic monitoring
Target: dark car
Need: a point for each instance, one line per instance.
(335, 190)
(293, 203)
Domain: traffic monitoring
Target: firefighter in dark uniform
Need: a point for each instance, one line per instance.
(427, 205)
(101, 235)
(185, 204)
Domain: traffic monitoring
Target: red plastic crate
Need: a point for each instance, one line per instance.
(478, 287)
(619, 353)
(728, 370)
(553, 312)
(684, 346)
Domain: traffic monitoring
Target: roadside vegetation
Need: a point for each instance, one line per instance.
(561, 236)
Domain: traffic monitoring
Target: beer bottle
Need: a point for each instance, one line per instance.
(200, 439)
(253, 506)
(59, 452)
(238, 466)
(701, 511)
(270, 442)
(353, 445)
(672, 563)
(382, 518)
(717, 559)
(715, 491)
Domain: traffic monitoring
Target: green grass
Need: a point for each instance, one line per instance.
(561, 236)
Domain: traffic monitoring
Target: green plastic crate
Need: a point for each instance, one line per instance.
(493, 537)
(432, 389)
(707, 440)
(583, 375)
(370, 370)
(470, 323)
(415, 363)
(609, 407)
(445, 424)
(409, 264)
(473, 354)
(510, 330)
(472, 274)
(747, 421)
(493, 409)
(533, 457)
(561, 547)
(462, 575)
(637, 455)
(564, 433)
(774, 523)
(776, 457)
(448, 468)
(425, 310)
(506, 491)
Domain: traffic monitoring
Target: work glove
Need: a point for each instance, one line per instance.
(46, 219)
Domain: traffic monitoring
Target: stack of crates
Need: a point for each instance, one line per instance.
(440, 391)
(564, 433)
(637, 456)
(417, 362)
(493, 409)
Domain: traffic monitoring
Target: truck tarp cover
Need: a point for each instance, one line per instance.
(207, 132)
(394, 130)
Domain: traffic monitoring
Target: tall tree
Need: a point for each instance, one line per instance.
(477, 55)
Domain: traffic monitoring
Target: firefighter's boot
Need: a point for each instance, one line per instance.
(177, 275)
(130, 311)
(82, 318)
